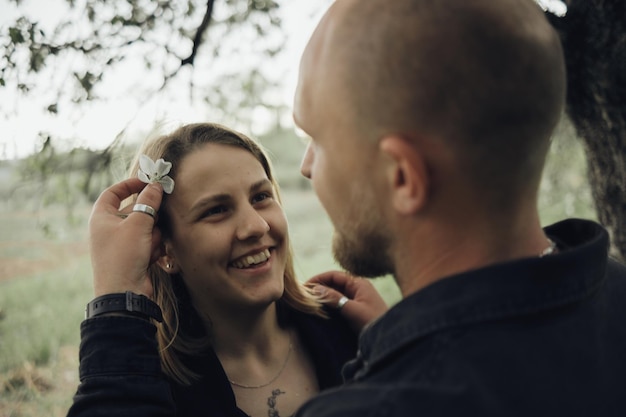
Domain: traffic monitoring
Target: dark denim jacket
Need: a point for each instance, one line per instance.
(535, 337)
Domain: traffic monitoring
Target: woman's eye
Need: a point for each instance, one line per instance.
(214, 210)
(261, 197)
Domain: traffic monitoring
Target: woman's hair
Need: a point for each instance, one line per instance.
(179, 333)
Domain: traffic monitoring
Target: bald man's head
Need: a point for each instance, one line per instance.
(484, 76)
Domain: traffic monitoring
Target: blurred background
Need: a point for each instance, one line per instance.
(82, 83)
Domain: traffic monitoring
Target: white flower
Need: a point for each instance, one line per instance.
(556, 7)
(150, 171)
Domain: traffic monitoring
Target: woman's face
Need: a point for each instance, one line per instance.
(229, 233)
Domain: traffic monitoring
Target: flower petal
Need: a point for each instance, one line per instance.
(162, 167)
(150, 171)
(168, 184)
(147, 165)
(556, 7)
(143, 177)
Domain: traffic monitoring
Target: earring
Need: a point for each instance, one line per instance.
(169, 265)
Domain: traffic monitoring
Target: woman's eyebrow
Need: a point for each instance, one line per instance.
(209, 200)
(260, 185)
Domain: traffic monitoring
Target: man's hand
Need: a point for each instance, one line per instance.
(364, 303)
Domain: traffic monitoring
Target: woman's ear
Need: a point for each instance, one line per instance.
(168, 264)
(166, 261)
(407, 174)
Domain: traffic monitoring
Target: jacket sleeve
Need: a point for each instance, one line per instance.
(120, 371)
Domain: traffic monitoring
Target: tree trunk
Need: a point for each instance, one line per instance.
(594, 39)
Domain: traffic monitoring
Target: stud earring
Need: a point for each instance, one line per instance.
(169, 265)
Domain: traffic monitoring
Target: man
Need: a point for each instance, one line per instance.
(429, 124)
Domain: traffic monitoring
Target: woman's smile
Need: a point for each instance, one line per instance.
(252, 259)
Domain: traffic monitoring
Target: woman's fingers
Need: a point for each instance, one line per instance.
(123, 245)
(111, 198)
(148, 201)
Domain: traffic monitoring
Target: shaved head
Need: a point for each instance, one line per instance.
(486, 77)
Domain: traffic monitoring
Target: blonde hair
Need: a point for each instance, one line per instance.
(175, 335)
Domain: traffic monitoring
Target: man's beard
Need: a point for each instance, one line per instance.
(365, 252)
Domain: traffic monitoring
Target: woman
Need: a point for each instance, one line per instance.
(239, 335)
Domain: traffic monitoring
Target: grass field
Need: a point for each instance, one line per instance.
(43, 284)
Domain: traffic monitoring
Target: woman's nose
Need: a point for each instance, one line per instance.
(252, 224)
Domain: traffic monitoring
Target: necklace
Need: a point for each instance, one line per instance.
(280, 371)
(549, 250)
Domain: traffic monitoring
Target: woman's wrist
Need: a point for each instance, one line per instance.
(127, 303)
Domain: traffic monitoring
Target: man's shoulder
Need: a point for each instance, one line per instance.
(616, 281)
(616, 268)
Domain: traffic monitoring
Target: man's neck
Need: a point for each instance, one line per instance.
(439, 252)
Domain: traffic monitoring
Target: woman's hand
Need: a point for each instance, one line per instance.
(364, 303)
(124, 245)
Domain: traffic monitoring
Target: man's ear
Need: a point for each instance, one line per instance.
(407, 174)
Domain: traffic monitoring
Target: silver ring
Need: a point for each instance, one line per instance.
(342, 302)
(144, 208)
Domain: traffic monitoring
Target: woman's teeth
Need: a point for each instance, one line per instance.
(251, 260)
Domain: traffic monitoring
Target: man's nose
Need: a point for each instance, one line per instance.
(307, 161)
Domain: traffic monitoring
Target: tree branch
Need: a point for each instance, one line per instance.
(197, 39)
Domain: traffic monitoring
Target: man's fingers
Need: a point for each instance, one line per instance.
(328, 296)
(333, 279)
